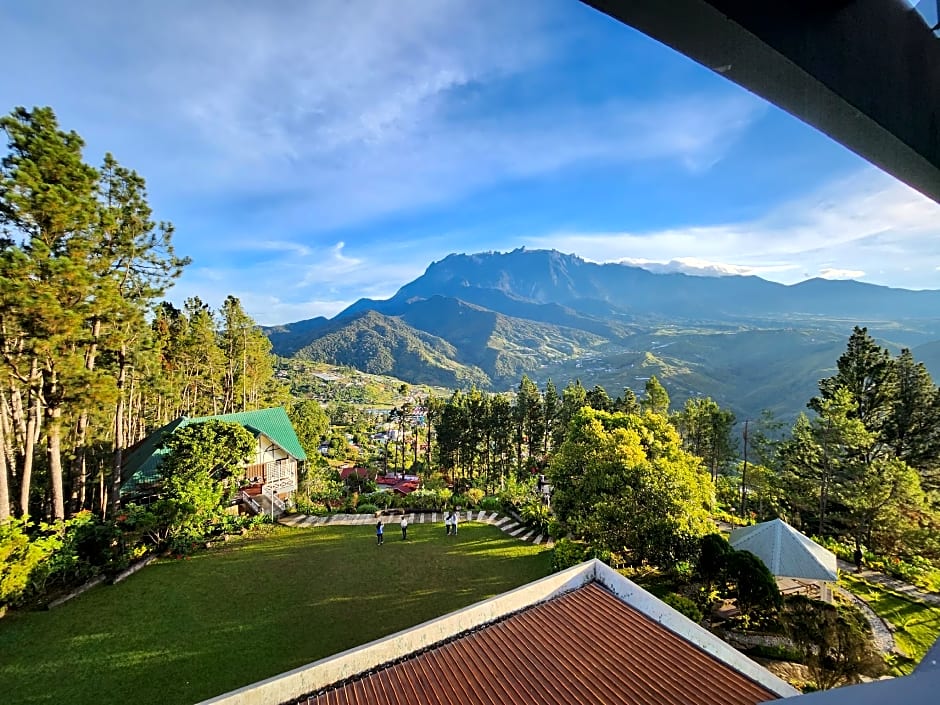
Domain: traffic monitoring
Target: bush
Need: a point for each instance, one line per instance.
(474, 496)
(88, 546)
(517, 493)
(491, 504)
(567, 553)
(382, 500)
(684, 605)
(756, 585)
(556, 530)
(835, 642)
(536, 515)
(366, 509)
(21, 556)
(775, 653)
(304, 505)
(424, 499)
(714, 552)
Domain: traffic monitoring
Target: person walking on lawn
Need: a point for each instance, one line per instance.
(404, 527)
(379, 533)
(453, 521)
(447, 523)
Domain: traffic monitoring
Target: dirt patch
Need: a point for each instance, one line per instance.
(796, 674)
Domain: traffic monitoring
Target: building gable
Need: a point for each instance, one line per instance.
(141, 467)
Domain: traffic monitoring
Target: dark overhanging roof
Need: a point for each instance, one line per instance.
(864, 72)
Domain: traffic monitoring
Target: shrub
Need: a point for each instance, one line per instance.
(305, 505)
(556, 530)
(383, 500)
(775, 653)
(683, 571)
(517, 493)
(21, 555)
(714, 552)
(367, 509)
(684, 605)
(567, 553)
(424, 499)
(834, 641)
(490, 504)
(756, 585)
(536, 515)
(474, 496)
(88, 546)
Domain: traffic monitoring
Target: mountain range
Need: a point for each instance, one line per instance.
(488, 318)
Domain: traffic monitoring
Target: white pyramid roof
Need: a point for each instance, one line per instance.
(785, 551)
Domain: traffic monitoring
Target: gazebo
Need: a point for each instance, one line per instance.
(786, 552)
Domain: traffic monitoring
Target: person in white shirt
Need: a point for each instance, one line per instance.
(453, 522)
(404, 528)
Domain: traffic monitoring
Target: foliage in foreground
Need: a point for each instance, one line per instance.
(834, 641)
(624, 484)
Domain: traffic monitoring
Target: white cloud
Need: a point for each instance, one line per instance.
(831, 273)
(340, 111)
(704, 268)
(264, 245)
(869, 224)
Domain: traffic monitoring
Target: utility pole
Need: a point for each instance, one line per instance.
(744, 476)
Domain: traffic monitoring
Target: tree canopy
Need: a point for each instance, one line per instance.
(623, 483)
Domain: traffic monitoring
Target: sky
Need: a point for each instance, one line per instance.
(313, 153)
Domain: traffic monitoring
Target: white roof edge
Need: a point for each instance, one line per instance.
(676, 622)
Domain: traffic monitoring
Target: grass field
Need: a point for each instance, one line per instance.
(183, 630)
(917, 623)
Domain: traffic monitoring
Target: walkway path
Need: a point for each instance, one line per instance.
(884, 639)
(887, 581)
(505, 524)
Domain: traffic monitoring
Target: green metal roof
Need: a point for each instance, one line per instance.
(272, 422)
(141, 467)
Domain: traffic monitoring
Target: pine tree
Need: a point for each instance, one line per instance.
(912, 428)
(866, 371)
(551, 406)
(573, 399)
(655, 398)
(47, 201)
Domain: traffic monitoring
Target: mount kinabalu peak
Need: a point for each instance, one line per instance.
(487, 318)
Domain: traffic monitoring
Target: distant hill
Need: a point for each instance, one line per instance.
(489, 318)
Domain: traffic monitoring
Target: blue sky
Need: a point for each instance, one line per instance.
(311, 153)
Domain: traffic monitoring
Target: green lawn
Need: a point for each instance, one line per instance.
(917, 623)
(183, 630)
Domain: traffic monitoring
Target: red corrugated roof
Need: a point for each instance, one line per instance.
(406, 487)
(346, 472)
(584, 647)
